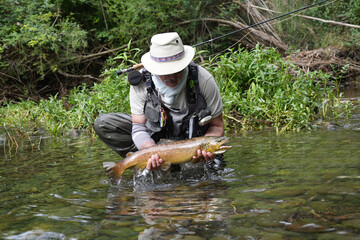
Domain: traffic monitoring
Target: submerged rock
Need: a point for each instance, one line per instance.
(353, 223)
(284, 192)
(308, 228)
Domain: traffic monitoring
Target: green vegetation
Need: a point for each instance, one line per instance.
(259, 89)
(78, 110)
(48, 47)
(53, 52)
(316, 34)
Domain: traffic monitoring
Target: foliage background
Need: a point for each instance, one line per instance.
(59, 57)
(48, 47)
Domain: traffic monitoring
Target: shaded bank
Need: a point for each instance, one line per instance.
(343, 63)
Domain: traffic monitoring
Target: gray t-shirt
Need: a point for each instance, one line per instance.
(208, 89)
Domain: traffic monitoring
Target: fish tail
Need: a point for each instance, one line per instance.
(113, 170)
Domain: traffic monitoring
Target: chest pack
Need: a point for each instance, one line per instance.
(164, 122)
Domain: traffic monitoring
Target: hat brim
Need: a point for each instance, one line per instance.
(165, 68)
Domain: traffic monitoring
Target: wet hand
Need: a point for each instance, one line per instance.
(154, 163)
(207, 156)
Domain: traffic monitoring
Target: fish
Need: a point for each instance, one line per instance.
(174, 152)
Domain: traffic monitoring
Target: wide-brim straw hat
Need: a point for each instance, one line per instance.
(167, 54)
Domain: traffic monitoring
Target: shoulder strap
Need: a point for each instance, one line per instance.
(193, 70)
(150, 88)
(196, 99)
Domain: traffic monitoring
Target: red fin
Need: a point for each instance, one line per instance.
(196, 159)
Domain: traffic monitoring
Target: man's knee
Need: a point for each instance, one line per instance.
(113, 123)
(115, 130)
(99, 124)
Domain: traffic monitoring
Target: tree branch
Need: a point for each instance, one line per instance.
(262, 35)
(78, 76)
(312, 18)
(99, 54)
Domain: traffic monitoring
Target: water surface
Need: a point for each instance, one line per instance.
(294, 186)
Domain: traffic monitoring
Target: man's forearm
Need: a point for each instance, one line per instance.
(215, 131)
(141, 137)
(216, 127)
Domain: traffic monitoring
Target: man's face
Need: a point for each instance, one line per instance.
(172, 80)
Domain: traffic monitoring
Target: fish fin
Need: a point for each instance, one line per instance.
(196, 159)
(113, 170)
(108, 165)
(165, 166)
(129, 153)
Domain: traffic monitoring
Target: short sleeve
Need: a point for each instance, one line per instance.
(137, 99)
(210, 91)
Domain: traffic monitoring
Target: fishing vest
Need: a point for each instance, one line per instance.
(163, 122)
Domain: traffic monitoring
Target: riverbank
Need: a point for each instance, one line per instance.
(343, 63)
(260, 89)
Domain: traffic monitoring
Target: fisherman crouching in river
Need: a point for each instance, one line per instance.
(171, 98)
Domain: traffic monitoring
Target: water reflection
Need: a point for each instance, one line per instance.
(172, 205)
(303, 185)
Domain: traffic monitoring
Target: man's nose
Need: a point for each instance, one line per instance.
(170, 76)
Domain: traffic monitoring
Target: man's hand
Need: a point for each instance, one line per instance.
(207, 156)
(154, 163)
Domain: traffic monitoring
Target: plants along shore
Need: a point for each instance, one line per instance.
(259, 89)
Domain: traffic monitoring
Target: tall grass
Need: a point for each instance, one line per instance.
(76, 111)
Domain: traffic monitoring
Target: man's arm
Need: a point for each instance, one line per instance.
(140, 135)
(142, 140)
(216, 127)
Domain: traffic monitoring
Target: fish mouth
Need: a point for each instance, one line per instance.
(222, 149)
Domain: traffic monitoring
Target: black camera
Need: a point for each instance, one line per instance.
(135, 77)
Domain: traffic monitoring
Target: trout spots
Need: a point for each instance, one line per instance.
(206, 146)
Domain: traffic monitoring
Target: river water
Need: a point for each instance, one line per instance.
(303, 185)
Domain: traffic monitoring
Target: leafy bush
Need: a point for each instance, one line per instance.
(42, 43)
(260, 89)
(48, 47)
(78, 110)
(35, 40)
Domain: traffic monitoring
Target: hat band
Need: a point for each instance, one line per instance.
(168, 59)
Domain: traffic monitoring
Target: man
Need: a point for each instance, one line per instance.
(175, 99)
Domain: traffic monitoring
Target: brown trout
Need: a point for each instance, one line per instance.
(173, 152)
